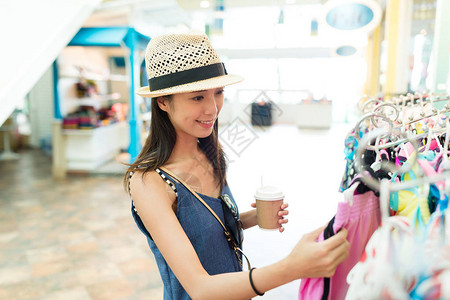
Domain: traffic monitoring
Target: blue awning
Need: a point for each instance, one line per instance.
(109, 37)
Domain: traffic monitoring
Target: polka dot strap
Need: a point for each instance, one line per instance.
(170, 183)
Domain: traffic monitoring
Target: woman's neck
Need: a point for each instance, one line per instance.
(191, 164)
(185, 148)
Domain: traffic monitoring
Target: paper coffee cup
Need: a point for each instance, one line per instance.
(268, 203)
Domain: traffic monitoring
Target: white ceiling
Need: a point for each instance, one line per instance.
(195, 4)
(169, 12)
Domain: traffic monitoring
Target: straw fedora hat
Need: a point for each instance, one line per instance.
(179, 63)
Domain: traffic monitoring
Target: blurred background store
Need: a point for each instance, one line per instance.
(70, 118)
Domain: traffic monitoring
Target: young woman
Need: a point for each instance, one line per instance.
(194, 257)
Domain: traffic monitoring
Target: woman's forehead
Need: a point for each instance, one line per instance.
(204, 91)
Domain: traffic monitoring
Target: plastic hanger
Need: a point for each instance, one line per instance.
(376, 165)
(348, 193)
(429, 137)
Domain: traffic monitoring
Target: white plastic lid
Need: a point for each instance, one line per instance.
(269, 193)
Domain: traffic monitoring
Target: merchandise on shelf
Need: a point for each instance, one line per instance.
(87, 117)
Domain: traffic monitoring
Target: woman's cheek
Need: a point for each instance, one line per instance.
(219, 106)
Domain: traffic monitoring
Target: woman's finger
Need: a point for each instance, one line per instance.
(283, 221)
(283, 213)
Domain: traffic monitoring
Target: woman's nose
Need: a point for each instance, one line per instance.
(211, 105)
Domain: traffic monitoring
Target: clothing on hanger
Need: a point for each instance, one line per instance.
(360, 219)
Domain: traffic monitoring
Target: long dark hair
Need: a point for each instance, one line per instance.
(161, 140)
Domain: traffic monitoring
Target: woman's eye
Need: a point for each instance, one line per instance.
(220, 92)
(198, 98)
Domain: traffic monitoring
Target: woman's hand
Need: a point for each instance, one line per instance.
(282, 214)
(319, 259)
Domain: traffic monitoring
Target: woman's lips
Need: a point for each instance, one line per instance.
(206, 124)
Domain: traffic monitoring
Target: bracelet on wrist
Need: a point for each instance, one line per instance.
(251, 283)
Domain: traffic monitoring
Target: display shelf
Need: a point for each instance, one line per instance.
(87, 149)
(95, 77)
(135, 43)
(97, 100)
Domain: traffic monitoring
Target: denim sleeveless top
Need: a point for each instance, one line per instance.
(204, 232)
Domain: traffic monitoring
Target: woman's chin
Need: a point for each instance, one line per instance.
(204, 134)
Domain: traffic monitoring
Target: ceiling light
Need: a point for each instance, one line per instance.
(290, 1)
(204, 4)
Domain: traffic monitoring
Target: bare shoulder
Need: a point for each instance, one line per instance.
(139, 180)
(149, 187)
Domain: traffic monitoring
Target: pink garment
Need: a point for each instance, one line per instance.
(361, 220)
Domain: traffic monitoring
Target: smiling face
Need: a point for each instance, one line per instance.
(193, 114)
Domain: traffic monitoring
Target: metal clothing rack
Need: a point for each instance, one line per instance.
(386, 186)
(419, 98)
(407, 100)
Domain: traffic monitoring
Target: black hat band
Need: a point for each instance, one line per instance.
(186, 76)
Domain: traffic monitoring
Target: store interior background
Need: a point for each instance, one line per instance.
(65, 227)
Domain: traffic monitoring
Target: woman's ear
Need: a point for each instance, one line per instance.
(163, 103)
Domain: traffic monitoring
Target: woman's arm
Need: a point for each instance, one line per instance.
(308, 259)
(248, 218)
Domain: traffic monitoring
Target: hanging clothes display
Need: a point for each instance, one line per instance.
(406, 149)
